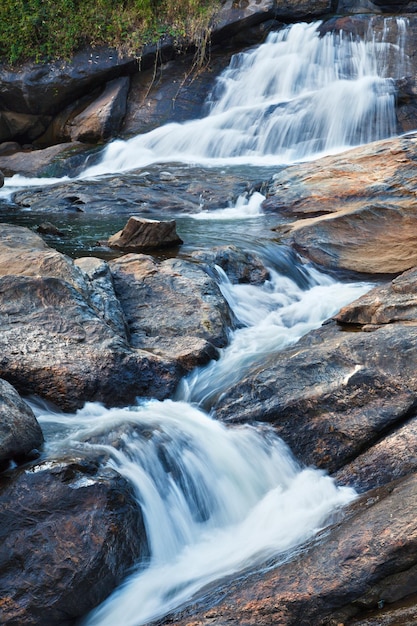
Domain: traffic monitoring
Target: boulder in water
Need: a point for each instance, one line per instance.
(142, 234)
(239, 265)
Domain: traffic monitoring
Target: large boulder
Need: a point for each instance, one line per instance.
(72, 332)
(337, 392)
(69, 534)
(354, 211)
(364, 563)
(20, 433)
(56, 340)
(173, 308)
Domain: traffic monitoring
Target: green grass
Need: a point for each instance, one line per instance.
(42, 30)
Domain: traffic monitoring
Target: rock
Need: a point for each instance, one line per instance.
(235, 16)
(390, 458)
(354, 211)
(20, 432)
(24, 253)
(69, 534)
(336, 393)
(173, 308)
(46, 228)
(102, 119)
(1, 179)
(101, 293)
(133, 193)
(396, 301)
(9, 147)
(239, 265)
(366, 561)
(22, 126)
(35, 162)
(141, 234)
(55, 338)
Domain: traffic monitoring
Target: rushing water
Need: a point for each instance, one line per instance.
(216, 499)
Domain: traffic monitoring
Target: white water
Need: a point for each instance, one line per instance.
(274, 316)
(295, 97)
(215, 499)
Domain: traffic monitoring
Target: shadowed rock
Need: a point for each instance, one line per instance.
(20, 433)
(69, 534)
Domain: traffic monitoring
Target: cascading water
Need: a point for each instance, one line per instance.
(294, 97)
(217, 499)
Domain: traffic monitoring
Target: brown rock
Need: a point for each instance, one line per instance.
(396, 301)
(103, 117)
(69, 534)
(55, 337)
(142, 234)
(355, 211)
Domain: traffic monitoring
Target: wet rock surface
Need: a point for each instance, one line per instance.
(365, 562)
(173, 308)
(69, 534)
(20, 434)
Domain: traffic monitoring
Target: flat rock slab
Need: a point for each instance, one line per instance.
(355, 211)
(368, 560)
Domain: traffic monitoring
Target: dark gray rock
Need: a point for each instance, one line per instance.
(343, 387)
(20, 433)
(69, 534)
(240, 266)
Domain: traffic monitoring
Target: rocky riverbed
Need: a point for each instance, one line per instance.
(109, 327)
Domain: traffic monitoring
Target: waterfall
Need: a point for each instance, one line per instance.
(215, 499)
(219, 499)
(297, 96)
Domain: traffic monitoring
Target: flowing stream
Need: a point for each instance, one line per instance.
(217, 500)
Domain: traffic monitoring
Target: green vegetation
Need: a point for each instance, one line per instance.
(47, 29)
